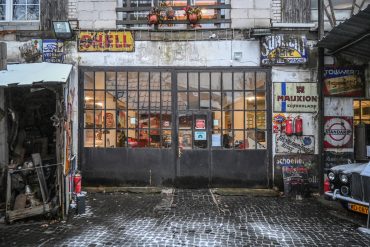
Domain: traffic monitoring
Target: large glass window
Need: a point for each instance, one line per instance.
(361, 110)
(127, 109)
(19, 10)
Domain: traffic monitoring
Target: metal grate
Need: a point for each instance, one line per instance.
(356, 187)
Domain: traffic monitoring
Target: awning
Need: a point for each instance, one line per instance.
(34, 73)
(352, 37)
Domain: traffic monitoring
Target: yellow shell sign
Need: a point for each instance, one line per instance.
(108, 41)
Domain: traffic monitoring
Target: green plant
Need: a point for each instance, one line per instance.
(189, 10)
(154, 16)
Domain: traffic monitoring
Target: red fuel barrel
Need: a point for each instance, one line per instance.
(77, 182)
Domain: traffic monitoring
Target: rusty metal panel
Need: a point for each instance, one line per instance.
(296, 11)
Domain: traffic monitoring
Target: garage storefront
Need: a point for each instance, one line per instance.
(198, 127)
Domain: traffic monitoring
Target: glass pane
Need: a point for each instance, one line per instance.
(110, 121)
(185, 121)
(200, 139)
(216, 139)
(239, 139)
(166, 102)
(2, 11)
(193, 82)
(185, 138)
(250, 103)
(132, 80)
(216, 100)
(110, 138)
(99, 80)
(249, 81)
(99, 99)
(194, 100)
(144, 139)
(166, 81)
(204, 100)
(238, 101)
(89, 99)
(121, 138)
(121, 99)
(155, 101)
(89, 118)
(155, 138)
(216, 81)
(99, 138)
(182, 81)
(110, 99)
(144, 100)
(250, 140)
(182, 101)
(204, 81)
(19, 12)
(261, 139)
(261, 101)
(260, 80)
(249, 120)
(132, 100)
(110, 80)
(33, 12)
(122, 81)
(143, 120)
(227, 119)
(238, 81)
(227, 100)
(216, 118)
(132, 119)
(89, 80)
(166, 138)
(32, 1)
(132, 138)
(89, 138)
(19, 1)
(227, 139)
(261, 119)
(98, 118)
(166, 121)
(227, 82)
(144, 80)
(121, 119)
(238, 119)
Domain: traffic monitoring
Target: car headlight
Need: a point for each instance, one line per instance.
(331, 176)
(344, 178)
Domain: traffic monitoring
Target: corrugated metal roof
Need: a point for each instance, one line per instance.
(352, 37)
(29, 73)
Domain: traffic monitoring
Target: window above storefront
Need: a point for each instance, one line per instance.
(134, 13)
(19, 10)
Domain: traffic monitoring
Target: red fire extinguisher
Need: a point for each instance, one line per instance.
(289, 127)
(298, 124)
(77, 179)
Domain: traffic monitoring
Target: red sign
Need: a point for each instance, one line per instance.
(338, 132)
(200, 124)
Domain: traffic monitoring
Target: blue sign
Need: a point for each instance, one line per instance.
(200, 136)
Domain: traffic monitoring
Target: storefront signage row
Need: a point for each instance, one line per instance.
(344, 81)
(295, 97)
(284, 49)
(107, 41)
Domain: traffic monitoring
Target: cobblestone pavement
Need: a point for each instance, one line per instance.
(191, 218)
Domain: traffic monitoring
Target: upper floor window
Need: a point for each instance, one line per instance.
(134, 13)
(19, 10)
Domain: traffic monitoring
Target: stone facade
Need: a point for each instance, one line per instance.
(251, 13)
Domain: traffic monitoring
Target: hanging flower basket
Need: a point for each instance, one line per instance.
(193, 14)
(154, 17)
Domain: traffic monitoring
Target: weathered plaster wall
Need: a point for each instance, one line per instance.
(251, 13)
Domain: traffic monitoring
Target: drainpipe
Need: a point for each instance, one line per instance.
(320, 74)
(3, 56)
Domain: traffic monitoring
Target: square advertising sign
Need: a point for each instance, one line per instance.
(344, 81)
(338, 132)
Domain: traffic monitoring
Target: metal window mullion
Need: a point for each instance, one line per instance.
(232, 109)
(187, 91)
(149, 108)
(105, 111)
(222, 107)
(94, 127)
(255, 110)
(126, 129)
(160, 113)
(244, 110)
(116, 109)
(137, 105)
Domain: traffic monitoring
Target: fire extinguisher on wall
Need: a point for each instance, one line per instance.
(289, 130)
(77, 179)
(298, 124)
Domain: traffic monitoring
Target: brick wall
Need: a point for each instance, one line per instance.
(251, 13)
(276, 10)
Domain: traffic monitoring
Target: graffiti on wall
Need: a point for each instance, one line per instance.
(295, 97)
(284, 49)
(344, 81)
(295, 144)
(338, 132)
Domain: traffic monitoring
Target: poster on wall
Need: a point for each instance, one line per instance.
(52, 51)
(106, 41)
(295, 144)
(344, 81)
(300, 166)
(295, 97)
(337, 158)
(338, 132)
(284, 49)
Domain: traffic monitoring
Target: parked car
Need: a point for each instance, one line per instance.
(349, 187)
